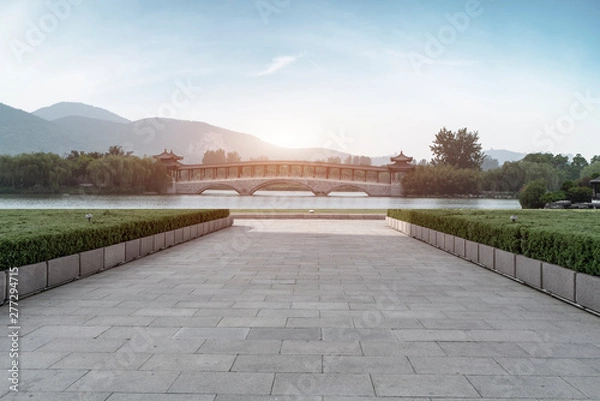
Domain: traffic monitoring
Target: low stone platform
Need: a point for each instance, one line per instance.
(301, 310)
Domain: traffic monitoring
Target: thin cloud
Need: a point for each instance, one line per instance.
(279, 63)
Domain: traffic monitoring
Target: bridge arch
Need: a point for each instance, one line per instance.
(347, 186)
(217, 186)
(280, 181)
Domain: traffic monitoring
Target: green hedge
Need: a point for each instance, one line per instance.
(569, 238)
(34, 236)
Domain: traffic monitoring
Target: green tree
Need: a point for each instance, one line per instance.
(233, 157)
(589, 171)
(214, 157)
(117, 150)
(441, 180)
(460, 149)
(531, 195)
(576, 167)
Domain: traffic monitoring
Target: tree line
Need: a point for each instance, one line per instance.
(456, 169)
(115, 171)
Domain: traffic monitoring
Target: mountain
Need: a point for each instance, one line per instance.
(504, 155)
(22, 132)
(67, 109)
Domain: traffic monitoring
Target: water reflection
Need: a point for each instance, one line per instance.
(260, 200)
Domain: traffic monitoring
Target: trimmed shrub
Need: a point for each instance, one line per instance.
(25, 248)
(566, 238)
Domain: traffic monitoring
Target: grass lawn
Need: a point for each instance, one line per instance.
(19, 223)
(584, 221)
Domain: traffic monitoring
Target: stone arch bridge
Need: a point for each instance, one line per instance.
(318, 177)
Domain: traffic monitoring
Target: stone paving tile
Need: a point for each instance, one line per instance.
(456, 324)
(483, 349)
(456, 366)
(547, 367)
(190, 362)
(363, 335)
(321, 347)
(306, 334)
(218, 346)
(137, 331)
(278, 363)
(350, 398)
(319, 322)
(377, 320)
(120, 321)
(243, 383)
(395, 348)
(161, 345)
(164, 312)
(193, 321)
(423, 386)
(366, 364)
(48, 380)
(590, 386)
(525, 387)
(322, 384)
(288, 313)
(157, 397)
(187, 333)
(125, 381)
(431, 335)
(561, 350)
(253, 322)
(82, 345)
(102, 361)
(33, 360)
(226, 313)
(69, 331)
(229, 397)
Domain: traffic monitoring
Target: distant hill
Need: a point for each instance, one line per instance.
(22, 132)
(504, 155)
(68, 109)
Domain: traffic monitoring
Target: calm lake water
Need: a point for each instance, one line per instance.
(260, 200)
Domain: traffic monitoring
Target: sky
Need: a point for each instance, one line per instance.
(364, 77)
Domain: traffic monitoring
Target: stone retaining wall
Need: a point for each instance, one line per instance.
(52, 273)
(579, 288)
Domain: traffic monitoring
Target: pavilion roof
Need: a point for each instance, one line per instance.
(401, 158)
(168, 156)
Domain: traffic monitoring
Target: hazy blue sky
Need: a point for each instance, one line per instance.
(368, 77)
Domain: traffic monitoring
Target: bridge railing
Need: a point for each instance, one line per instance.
(271, 169)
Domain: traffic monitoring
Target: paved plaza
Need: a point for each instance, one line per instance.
(301, 310)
